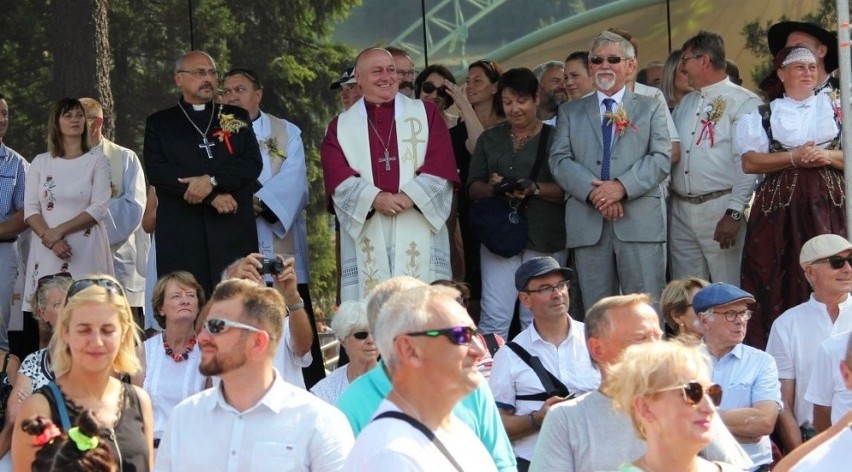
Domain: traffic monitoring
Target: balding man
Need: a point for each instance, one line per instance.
(588, 433)
(389, 174)
(204, 161)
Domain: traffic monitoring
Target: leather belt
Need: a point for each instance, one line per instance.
(8, 240)
(702, 198)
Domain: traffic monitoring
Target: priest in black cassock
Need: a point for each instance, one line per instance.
(203, 160)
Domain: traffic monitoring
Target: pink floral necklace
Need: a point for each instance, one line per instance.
(183, 356)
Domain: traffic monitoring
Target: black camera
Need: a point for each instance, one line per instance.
(271, 266)
(509, 185)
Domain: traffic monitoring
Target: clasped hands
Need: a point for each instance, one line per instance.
(53, 240)
(809, 155)
(392, 204)
(199, 187)
(606, 198)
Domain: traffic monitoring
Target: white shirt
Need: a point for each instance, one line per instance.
(826, 386)
(511, 376)
(832, 455)
(286, 360)
(287, 430)
(330, 388)
(654, 92)
(793, 123)
(793, 342)
(393, 445)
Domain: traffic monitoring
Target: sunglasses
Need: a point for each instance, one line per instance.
(429, 87)
(81, 284)
(837, 262)
(360, 335)
(598, 60)
(48, 278)
(217, 326)
(693, 392)
(458, 335)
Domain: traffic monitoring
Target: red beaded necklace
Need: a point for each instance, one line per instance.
(180, 357)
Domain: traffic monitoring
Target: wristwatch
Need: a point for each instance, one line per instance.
(296, 306)
(537, 189)
(734, 214)
(213, 181)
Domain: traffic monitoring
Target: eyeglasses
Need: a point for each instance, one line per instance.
(693, 392)
(217, 326)
(547, 290)
(360, 335)
(685, 59)
(81, 284)
(598, 60)
(48, 278)
(406, 73)
(201, 73)
(836, 262)
(458, 335)
(429, 87)
(731, 315)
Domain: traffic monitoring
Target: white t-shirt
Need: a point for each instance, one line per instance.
(832, 455)
(393, 445)
(826, 386)
(794, 340)
(286, 361)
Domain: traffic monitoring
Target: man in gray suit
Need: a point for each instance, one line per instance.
(610, 154)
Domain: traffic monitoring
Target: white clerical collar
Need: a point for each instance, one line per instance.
(199, 107)
(617, 96)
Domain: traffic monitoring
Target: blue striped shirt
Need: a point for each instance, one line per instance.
(13, 169)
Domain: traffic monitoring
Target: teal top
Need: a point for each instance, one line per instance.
(360, 401)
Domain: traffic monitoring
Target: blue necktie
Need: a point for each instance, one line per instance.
(606, 131)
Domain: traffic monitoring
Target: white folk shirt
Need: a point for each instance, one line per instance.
(706, 168)
(827, 386)
(511, 376)
(794, 340)
(287, 430)
(654, 92)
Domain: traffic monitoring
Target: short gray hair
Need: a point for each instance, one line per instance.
(384, 291)
(39, 298)
(350, 315)
(182, 57)
(546, 66)
(407, 311)
(598, 323)
(608, 37)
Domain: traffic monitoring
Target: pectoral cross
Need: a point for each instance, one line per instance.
(386, 160)
(206, 144)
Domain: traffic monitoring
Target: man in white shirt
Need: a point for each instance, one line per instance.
(253, 420)
(428, 343)
(587, 433)
(827, 387)
(710, 191)
(748, 376)
(797, 333)
(554, 343)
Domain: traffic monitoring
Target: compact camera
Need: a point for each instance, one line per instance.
(271, 266)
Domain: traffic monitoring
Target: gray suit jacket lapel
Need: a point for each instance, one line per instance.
(593, 111)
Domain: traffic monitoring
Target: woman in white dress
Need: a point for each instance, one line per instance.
(171, 357)
(65, 201)
(352, 330)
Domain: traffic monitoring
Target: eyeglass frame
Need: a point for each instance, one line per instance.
(47, 278)
(107, 284)
(732, 315)
(612, 60)
(713, 391)
(685, 59)
(548, 290)
(227, 324)
(200, 73)
(448, 333)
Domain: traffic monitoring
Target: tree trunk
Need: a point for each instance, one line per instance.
(81, 53)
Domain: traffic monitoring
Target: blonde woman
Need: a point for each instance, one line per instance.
(676, 306)
(94, 337)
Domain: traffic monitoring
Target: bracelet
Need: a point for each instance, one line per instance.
(533, 422)
(791, 159)
(300, 305)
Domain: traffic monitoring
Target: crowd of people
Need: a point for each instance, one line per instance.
(582, 266)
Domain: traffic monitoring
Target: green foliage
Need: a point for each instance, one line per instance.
(286, 42)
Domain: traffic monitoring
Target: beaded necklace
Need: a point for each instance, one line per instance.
(180, 357)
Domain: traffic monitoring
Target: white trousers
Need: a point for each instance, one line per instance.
(498, 289)
(693, 250)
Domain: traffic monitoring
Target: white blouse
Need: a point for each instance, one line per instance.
(793, 123)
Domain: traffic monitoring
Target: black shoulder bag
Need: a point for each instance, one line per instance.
(426, 432)
(552, 385)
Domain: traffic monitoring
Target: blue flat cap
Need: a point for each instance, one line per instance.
(537, 267)
(718, 294)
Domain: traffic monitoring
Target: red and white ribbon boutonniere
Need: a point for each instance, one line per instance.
(712, 114)
(228, 126)
(620, 119)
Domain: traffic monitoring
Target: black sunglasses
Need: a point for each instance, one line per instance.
(81, 284)
(429, 87)
(459, 335)
(598, 60)
(360, 335)
(48, 278)
(836, 262)
(693, 392)
(216, 326)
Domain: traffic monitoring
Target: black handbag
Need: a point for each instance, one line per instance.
(497, 222)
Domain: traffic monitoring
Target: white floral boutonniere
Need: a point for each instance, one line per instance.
(620, 119)
(228, 126)
(713, 112)
(272, 148)
(834, 96)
